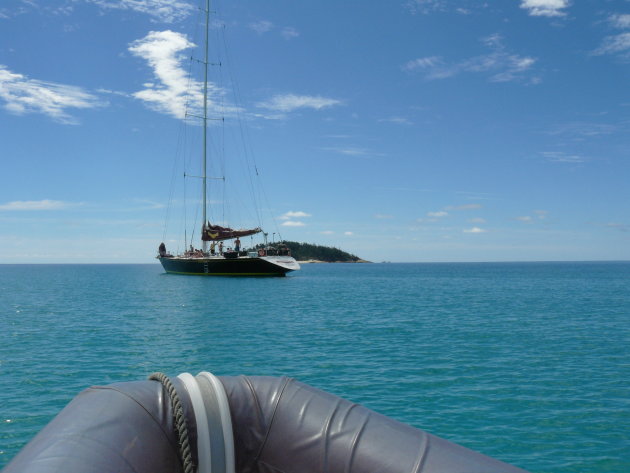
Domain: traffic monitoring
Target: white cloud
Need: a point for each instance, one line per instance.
(441, 213)
(477, 220)
(175, 92)
(474, 230)
(23, 95)
(619, 226)
(261, 27)
(289, 33)
(562, 157)
(499, 64)
(422, 63)
(464, 207)
(397, 120)
(352, 151)
(614, 44)
(161, 49)
(45, 204)
(383, 216)
(525, 219)
(291, 102)
(348, 233)
(327, 232)
(461, 7)
(620, 20)
(291, 214)
(578, 130)
(292, 223)
(167, 11)
(545, 7)
(425, 6)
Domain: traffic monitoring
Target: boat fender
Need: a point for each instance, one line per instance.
(282, 425)
(124, 427)
(235, 425)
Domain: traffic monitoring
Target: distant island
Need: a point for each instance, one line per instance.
(310, 253)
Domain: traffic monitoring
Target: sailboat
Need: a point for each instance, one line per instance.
(262, 260)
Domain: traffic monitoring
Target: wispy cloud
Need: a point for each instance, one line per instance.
(28, 205)
(464, 207)
(622, 227)
(291, 214)
(293, 223)
(23, 95)
(265, 26)
(614, 44)
(545, 7)
(261, 27)
(580, 130)
(440, 213)
(174, 92)
(327, 232)
(430, 62)
(538, 215)
(291, 102)
(499, 64)
(383, 216)
(425, 6)
(352, 151)
(167, 11)
(171, 95)
(562, 157)
(618, 44)
(147, 205)
(348, 233)
(289, 32)
(621, 21)
(396, 120)
(474, 230)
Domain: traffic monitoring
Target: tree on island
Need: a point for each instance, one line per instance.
(309, 251)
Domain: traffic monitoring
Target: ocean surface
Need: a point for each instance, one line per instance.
(525, 362)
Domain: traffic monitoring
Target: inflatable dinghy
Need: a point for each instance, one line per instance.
(208, 424)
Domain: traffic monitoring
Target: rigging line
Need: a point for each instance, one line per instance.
(249, 158)
(180, 151)
(179, 163)
(222, 154)
(185, 216)
(192, 234)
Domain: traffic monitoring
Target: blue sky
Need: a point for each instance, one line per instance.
(412, 130)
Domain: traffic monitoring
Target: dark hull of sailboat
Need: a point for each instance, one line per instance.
(247, 266)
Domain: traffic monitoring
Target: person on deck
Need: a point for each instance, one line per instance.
(213, 245)
(237, 244)
(220, 247)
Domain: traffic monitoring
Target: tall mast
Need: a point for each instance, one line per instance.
(205, 123)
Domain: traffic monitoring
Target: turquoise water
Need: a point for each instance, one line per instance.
(529, 363)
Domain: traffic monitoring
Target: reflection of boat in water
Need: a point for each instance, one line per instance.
(209, 424)
(264, 261)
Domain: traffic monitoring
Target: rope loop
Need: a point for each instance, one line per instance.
(180, 421)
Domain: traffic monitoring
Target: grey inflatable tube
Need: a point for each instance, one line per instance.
(238, 424)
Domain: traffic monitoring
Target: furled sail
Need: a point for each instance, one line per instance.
(217, 233)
